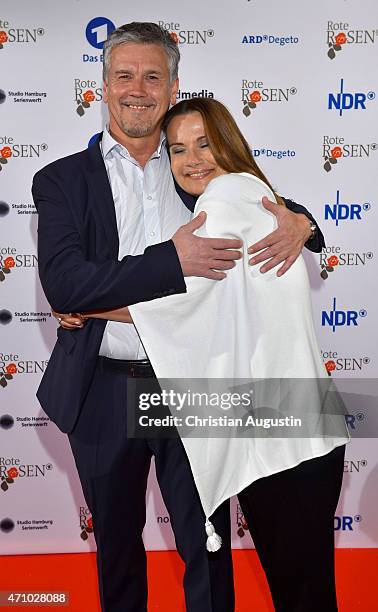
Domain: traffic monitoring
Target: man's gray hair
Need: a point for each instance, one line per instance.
(143, 33)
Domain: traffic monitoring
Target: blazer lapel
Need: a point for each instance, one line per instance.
(102, 196)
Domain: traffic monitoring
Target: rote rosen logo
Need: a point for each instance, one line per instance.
(86, 522)
(254, 93)
(11, 470)
(9, 259)
(86, 92)
(183, 36)
(241, 522)
(340, 35)
(18, 35)
(335, 148)
(332, 258)
(11, 150)
(336, 363)
(12, 366)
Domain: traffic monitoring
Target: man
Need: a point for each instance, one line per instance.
(105, 219)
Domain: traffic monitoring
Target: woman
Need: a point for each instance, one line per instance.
(252, 327)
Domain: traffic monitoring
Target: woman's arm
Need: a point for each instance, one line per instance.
(76, 320)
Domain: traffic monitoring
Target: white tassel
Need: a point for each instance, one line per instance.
(214, 541)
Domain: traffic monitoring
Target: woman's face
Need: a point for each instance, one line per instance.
(192, 162)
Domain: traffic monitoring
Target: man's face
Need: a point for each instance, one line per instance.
(138, 90)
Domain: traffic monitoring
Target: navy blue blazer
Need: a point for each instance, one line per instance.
(79, 271)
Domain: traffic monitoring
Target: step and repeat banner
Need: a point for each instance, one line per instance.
(301, 81)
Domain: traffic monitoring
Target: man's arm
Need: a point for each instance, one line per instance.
(74, 283)
(285, 243)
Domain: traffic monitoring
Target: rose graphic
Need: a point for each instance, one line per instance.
(3, 38)
(90, 523)
(333, 261)
(337, 45)
(12, 472)
(255, 96)
(174, 37)
(9, 263)
(336, 152)
(341, 38)
(11, 368)
(330, 366)
(89, 96)
(6, 152)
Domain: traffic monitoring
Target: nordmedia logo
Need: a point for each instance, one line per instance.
(335, 149)
(86, 93)
(340, 212)
(10, 34)
(255, 93)
(335, 317)
(341, 35)
(343, 100)
(270, 39)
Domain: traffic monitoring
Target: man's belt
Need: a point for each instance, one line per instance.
(134, 368)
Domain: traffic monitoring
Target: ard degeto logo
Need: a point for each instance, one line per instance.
(333, 258)
(343, 100)
(269, 39)
(340, 363)
(86, 522)
(185, 36)
(341, 34)
(9, 150)
(335, 317)
(335, 148)
(273, 153)
(87, 91)
(10, 34)
(255, 93)
(352, 420)
(98, 30)
(340, 211)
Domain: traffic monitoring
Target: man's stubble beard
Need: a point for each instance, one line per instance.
(137, 130)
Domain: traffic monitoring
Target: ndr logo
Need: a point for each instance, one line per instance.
(344, 212)
(342, 101)
(98, 30)
(346, 523)
(338, 318)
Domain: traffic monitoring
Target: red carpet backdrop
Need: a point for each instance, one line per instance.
(301, 81)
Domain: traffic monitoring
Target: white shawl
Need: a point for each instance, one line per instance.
(249, 326)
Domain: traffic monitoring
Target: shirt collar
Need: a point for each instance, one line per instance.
(108, 143)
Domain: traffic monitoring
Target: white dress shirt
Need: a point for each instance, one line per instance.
(148, 211)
